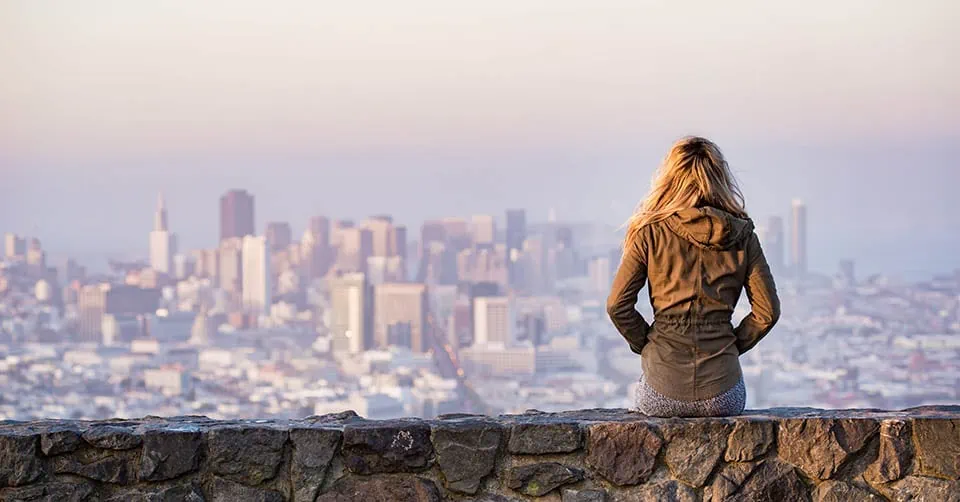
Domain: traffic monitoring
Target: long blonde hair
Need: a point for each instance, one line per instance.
(693, 174)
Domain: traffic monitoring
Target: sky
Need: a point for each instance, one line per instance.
(427, 108)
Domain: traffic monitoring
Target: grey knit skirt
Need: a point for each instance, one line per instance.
(652, 403)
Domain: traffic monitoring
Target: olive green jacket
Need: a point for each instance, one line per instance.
(696, 262)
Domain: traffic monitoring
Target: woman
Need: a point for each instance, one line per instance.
(693, 243)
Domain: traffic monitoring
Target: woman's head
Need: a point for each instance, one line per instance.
(693, 174)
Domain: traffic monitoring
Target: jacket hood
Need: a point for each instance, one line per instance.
(710, 227)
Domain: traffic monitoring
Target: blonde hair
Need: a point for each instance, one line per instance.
(694, 173)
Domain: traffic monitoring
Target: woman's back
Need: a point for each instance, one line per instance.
(697, 262)
(694, 245)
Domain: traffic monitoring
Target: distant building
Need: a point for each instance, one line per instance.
(14, 246)
(96, 300)
(351, 313)
(162, 242)
(400, 304)
(773, 244)
(356, 245)
(169, 381)
(256, 290)
(600, 273)
(487, 263)
(484, 229)
(278, 235)
(236, 215)
(493, 321)
(799, 241)
(231, 265)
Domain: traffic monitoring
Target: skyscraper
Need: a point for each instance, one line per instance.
(351, 309)
(162, 244)
(279, 236)
(401, 305)
(798, 254)
(230, 264)
(256, 291)
(493, 321)
(236, 214)
(516, 234)
(773, 245)
(381, 234)
(483, 228)
(14, 246)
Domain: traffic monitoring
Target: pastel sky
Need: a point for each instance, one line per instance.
(433, 107)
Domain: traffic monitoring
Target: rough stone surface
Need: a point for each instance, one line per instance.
(795, 454)
(938, 447)
(111, 467)
(224, 490)
(313, 449)
(839, 491)
(112, 437)
(664, 491)
(570, 495)
(180, 493)
(623, 453)
(387, 447)
(169, 454)
(466, 452)
(820, 446)
(533, 438)
(408, 489)
(540, 479)
(19, 464)
(261, 447)
(895, 454)
(693, 450)
(920, 489)
(49, 492)
(59, 440)
(749, 439)
(772, 480)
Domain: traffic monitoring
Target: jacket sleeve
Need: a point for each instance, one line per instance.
(630, 278)
(762, 293)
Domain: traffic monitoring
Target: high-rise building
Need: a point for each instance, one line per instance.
(773, 245)
(516, 234)
(14, 246)
(236, 214)
(96, 300)
(320, 228)
(381, 230)
(483, 264)
(162, 242)
(256, 291)
(230, 262)
(493, 321)
(600, 273)
(798, 253)
(351, 313)
(356, 245)
(279, 236)
(400, 308)
(398, 242)
(336, 232)
(484, 229)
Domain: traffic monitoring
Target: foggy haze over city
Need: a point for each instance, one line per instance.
(246, 209)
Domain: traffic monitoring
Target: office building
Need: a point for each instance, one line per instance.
(256, 276)
(773, 244)
(230, 262)
(278, 235)
(400, 308)
(236, 215)
(493, 321)
(351, 311)
(161, 241)
(484, 229)
(14, 246)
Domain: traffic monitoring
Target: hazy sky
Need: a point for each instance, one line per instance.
(428, 107)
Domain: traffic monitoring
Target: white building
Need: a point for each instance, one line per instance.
(162, 242)
(600, 272)
(255, 290)
(351, 309)
(494, 321)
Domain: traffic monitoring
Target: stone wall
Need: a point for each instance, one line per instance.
(785, 454)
